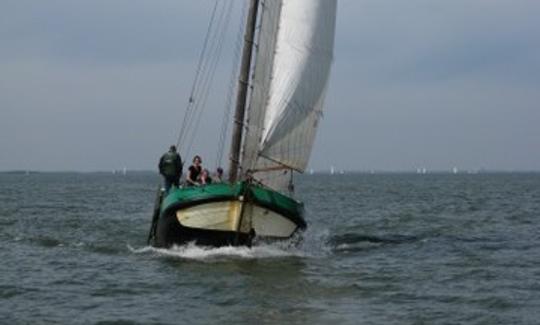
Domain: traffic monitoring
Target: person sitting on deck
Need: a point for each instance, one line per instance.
(205, 177)
(192, 178)
(218, 178)
(170, 167)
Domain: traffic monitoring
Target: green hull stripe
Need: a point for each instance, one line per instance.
(215, 192)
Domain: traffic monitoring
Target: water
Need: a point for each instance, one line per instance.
(380, 249)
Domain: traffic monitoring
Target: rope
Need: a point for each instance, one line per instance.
(197, 75)
(232, 87)
(205, 73)
(199, 83)
(212, 63)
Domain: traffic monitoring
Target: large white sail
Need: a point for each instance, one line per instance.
(264, 57)
(292, 67)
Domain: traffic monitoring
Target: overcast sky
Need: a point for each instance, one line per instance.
(102, 84)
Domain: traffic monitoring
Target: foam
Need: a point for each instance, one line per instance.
(313, 245)
(194, 252)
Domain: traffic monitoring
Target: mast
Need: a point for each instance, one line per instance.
(241, 95)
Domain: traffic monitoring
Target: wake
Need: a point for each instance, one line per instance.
(202, 253)
(313, 245)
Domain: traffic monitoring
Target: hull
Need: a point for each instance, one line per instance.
(226, 214)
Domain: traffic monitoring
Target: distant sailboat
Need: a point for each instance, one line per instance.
(332, 170)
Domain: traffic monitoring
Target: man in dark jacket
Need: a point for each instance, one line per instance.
(170, 166)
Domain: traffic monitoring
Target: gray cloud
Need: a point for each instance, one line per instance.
(90, 85)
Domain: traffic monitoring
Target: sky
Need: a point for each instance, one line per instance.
(103, 84)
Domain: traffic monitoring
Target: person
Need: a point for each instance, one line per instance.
(205, 177)
(170, 167)
(194, 172)
(219, 176)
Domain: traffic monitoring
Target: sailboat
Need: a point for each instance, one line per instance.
(285, 67)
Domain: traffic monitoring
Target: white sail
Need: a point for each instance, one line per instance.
(264, 57)
(292, 68)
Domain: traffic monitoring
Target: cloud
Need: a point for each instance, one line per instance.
(102, 84)
(101, 31)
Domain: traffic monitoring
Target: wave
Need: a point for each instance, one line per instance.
(311, 244)
(203, 253)
(353, 238)
(353, 242)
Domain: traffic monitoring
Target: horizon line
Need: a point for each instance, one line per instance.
(315, 171)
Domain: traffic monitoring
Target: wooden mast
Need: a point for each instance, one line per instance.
(241, 95)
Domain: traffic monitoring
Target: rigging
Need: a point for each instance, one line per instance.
(204, 73)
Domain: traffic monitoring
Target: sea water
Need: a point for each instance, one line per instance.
(379, 249)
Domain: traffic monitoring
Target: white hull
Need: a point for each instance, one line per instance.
(228, 216)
